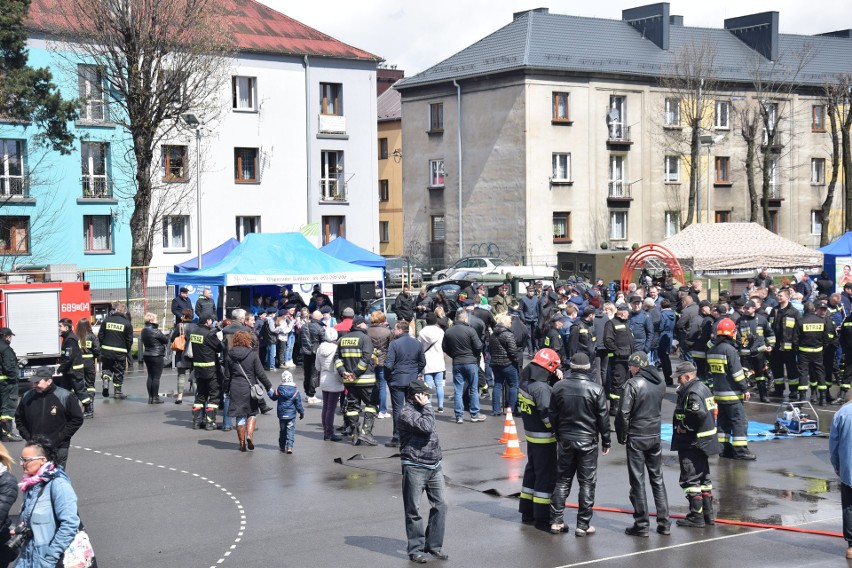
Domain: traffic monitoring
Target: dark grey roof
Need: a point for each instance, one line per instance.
(389, 105)
(538, 40)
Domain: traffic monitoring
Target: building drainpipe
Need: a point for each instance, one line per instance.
(459, 134)
(308, 137)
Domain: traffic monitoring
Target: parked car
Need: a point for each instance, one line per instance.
(397, 269)
(478, 264)
(376, 305)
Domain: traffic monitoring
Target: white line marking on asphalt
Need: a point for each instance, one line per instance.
(240, 508)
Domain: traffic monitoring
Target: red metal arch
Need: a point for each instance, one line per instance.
(638, 257)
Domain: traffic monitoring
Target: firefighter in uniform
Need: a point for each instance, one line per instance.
(703, 343)
(534, 408)
(783, 358)
(553, 338)
(355, 364)
(694, 439)
(755, 338)
(116, 337)
(730, 388)
(618, 340)
(8, 386)
(846, 347)
(582, 339)
(829, 352)
(206, 348)
(71, 363)
(810, 337)
(91, 350)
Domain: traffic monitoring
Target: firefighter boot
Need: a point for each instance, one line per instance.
(8, 433)
(89, 410)
(841, 398)
(761, 390)
(366, 433)
(813, 395)
(353, 426)
(695, 518)
(707, 505)
(197, 418)
(821, 401)
(241, 436)
(106, 378)
(210, 419)
(251, 422)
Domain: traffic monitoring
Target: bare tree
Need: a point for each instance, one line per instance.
(160, 59)
(839, 117)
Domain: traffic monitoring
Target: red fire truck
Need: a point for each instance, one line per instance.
(32, 312)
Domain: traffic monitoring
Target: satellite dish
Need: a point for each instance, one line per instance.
(612, 115)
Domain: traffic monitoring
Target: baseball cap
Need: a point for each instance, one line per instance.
(418, 386)
(348, 313)
(635, 298)
(271, 311)
(184, 290)
(818, 304)
(638, 359)
(5, 331)
(750, 304)
(621, 306)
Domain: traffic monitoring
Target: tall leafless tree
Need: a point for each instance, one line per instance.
(839, 118)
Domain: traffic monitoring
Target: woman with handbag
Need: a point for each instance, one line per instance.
(243, 371)
(179, 341)
(8, 496)
(154, 342)
(49, 521)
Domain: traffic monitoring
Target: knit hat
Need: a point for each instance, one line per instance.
(580, 361)
(638, 359)
(287, 378)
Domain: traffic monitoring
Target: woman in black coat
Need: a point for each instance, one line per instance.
(183, 364)
(8, 496)
(154, 342)
(242, 370)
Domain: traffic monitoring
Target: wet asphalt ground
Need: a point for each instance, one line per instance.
(153, 492)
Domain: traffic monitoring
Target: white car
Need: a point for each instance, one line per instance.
(470, 264)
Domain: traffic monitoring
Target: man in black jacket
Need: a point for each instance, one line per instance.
(637, 425)
(71, 364)
(116, 337)
(205, 306)
(9, 386)
(403, 307)
(618, 340)
(50, 411)
(463, 346)
(206, 348)
(180, 303)
(578, 416)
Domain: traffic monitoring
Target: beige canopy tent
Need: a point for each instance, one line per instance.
(728, 249)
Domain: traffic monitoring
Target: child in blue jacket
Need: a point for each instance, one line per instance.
(289, 404)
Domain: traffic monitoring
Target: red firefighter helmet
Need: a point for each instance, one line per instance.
(547, 358)
(726, 326)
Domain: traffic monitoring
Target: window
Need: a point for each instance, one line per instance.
(617, 117)
(383, 148)
(722, 118)
(773, 221)
(436, 117)
(560, 107)
(14, 235)
(818, 171)
(245, 165)
(176, 232)
(97, 233)
(561, 167)
(244, 93)
(818, 118)
(384, 192)
(816, 222)
(11, 168)
(173, 164)
(774, 178)
(436, 173)
(247, 225)
(723, 170)
(618, 225)
(771, 110)
(562, 227)
(617, 187)
(333, 227)
(90, 86)
(671, 116)
(671, 167)
(331, 98)
(672, 223)
(94, 169)
(384, 231)
(723, 216)
(332, 177)
(437, 231)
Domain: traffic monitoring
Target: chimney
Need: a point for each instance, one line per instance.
(847, 34)
(758, 31)
(652, 21)
(676, 21)
(517, 15)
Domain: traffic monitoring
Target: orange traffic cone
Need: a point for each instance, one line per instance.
(513, 447)
(507, 424)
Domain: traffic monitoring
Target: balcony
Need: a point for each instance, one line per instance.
(332, 125)
(775, 192)
(333, 189)
(14, 188)
(618, 135)
(96, 187)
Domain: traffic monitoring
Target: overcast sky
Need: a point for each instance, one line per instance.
(416, 35)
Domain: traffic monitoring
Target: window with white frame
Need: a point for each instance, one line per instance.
(618, 225)
(97, 233)
(774, 178)
(771, 122)
(332, 176)
(672, 223)
(244, 93)
(12, 168)
(561, 167)
(617, 185)
(94, 169)
(671, 116)
(722, 118)
(671, 167)
(90, 88)
(816, 222)
(617, 117)
(176, 233)
(818, 171)
(247, 225)
(436, 173)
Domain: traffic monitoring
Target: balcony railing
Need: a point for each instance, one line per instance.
(774, 191)
(96, 187)
(618, 190)
(332, 124)
(333, 188)
(618, 133)
(14, 187)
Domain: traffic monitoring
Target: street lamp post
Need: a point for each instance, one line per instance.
(192, 121)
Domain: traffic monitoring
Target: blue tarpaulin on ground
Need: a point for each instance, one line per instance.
(345, 250)
(757, 432)
(209, 258)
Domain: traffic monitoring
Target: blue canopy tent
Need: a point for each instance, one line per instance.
(837, 256)
(342, 249)
(209, 258)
